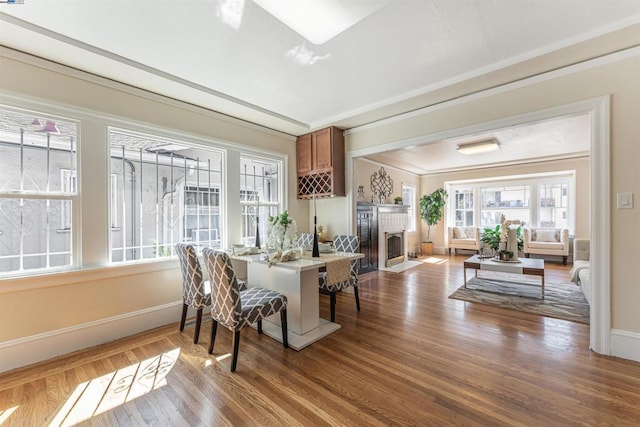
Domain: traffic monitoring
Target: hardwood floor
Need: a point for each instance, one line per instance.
(410, 357)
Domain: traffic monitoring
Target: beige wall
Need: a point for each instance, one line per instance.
(362, 172)
(36, 305)
(581, 167)
(620, 80)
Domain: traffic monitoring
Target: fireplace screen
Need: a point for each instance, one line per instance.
(395, 248)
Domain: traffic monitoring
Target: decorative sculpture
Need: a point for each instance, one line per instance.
(381, 185)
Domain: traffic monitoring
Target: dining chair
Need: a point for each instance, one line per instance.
(342, 243)
(196, 292)
(305, 240)
(234, 308)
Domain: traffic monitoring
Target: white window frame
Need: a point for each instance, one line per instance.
(534, 180)
(69, 200)
(411, 211)
(270, 205)
(179, 202)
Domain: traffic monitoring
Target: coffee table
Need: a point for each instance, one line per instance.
(530, 266)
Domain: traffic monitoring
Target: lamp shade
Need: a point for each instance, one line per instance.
(50, 127)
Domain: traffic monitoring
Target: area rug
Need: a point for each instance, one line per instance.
(561, 300)
(399, 268)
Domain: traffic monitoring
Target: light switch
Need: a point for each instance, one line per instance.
(624, 201)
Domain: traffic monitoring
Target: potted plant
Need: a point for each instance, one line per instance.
(492, 237)
(398, 200)
(431, 212)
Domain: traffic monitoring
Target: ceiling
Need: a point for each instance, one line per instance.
(563, 137)
(234, 57)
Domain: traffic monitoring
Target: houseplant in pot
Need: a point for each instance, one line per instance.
(431, 212)
(496, 238)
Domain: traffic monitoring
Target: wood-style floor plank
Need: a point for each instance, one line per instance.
(411, 356)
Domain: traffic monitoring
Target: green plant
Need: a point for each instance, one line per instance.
(432, 208)
(397, 199)
(491, 237)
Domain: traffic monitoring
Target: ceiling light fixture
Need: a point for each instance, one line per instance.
(319, 21)
(478, 147)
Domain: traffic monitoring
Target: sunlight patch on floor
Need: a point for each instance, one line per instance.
(433, 260)
(6, 413)
(113, 389)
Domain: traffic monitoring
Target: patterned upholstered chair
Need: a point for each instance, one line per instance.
(305, 240)
(235, 309)
(342, 243)
(196, 292)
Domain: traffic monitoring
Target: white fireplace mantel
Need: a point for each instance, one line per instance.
(391, 219)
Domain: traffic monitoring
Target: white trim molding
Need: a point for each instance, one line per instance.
(625, 344)
(600, 226)
(37, 348)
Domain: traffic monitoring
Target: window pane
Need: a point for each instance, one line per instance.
(553, 208)
(33, 150)
(463, 207)
(30, 234)
(409, 199)
(162, 193)
(38, 156)
(259, 196)
(511, 201)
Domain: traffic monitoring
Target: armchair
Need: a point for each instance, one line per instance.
(546, 241)
(464, 238)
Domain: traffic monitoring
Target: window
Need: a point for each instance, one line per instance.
(164, 192)
(409, 199)
(542, 200)
(463, 207)
(553, 204)
(259, 196)
(510, 201)
(38, 191)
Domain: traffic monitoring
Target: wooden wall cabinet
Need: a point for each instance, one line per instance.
(320, 163)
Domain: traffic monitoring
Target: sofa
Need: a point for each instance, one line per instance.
(546, 241)
(464, 238)
(581, 273)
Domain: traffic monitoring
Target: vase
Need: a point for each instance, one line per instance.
(512, 243)
(361, 193)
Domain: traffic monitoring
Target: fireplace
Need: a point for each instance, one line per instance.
(394, 248)
(382, 232)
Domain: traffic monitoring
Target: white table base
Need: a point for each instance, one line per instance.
(303, 313)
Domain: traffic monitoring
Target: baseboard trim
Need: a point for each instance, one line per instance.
(37, 348)
(625, 344)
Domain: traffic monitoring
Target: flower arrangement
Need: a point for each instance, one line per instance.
(281, 232)
(498, 238)
(506, 224)
(510, 238)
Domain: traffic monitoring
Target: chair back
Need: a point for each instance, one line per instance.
(226, 306)
(305, 239)
(193, 289)
(347, 243)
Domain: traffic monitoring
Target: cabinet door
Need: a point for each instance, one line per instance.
(303, 150)
(322, 149)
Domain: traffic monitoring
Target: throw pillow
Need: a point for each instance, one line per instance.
(546, 235)
(458, 233)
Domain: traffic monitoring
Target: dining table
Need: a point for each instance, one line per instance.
(297, 279)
